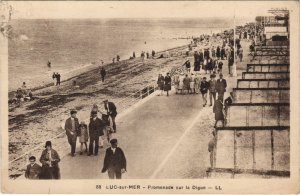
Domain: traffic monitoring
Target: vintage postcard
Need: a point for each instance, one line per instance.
(149, 97)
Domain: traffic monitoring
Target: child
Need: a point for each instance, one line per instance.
(83, 136)
(107, 129)
(33, 170)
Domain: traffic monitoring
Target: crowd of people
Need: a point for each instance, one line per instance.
(96, 133)
(92, 136)
(22, 94)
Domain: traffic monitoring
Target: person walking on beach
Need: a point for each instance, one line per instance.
(95, 131)
(111, 109)
(221, 87)
(103, 74)
(114, 161)
(160, 83)
(133, 55)
(230, 63)
(54, 77)
(83, 137)
(33, 170)
(50, 160)
(57, 79)
(49, 64)
(212, 89)
(72, 128)
(153, 53)
(167, 85)
(204, 85)
(118, 58)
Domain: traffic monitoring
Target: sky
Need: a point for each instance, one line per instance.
(139, 9)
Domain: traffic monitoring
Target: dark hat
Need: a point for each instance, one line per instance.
(73, 111)
(113, 141)
(94, 112)
(220, 74)
(82, 124)
(48, 143)
(105, 100)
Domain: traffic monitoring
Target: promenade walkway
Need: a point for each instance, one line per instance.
(161, 138)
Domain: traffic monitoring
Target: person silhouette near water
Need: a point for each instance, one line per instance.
(49, 64)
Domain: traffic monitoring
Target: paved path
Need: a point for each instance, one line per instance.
(161, 138)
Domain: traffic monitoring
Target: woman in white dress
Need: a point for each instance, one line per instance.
(176, 82)
(197, 83)
(192, 83)
(180, 85)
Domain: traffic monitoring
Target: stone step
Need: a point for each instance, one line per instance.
(268, 67)
(258, 114)
(263, 83)
(261, 95)
(265, 75)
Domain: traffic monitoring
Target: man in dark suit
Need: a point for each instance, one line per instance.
(114, 161)
(72, 127)
(96, 127)
(33, 170)
(221, 87)
(111, 109)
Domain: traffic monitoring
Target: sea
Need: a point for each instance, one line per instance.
(74, 44)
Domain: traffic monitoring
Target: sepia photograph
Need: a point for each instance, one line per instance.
(149, 97)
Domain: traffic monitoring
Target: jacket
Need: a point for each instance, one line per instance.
(116, 160)
(96, 128)
(111, 108)
(221, 86)
(33, 172)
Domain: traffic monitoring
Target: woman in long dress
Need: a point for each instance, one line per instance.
(50, 160)
(160, 83)
(180, 86)
(192, 83)
(168, 82)
(197, 83)
(176, 82)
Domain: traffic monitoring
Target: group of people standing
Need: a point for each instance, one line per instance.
(56, 78)
(164, 83)
(114, 160)
(95, 131)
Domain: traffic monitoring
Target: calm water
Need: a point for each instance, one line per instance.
(73, 44)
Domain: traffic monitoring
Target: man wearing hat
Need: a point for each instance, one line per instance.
(114, 161)
(72, 127)
(111, 109)
(221, 87)
(96, 127)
